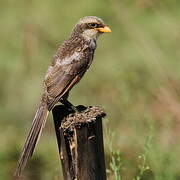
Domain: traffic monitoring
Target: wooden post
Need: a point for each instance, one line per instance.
(80, 142)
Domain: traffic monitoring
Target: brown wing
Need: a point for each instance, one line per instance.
(61, 77)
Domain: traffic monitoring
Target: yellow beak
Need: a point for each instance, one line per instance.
(103, 29)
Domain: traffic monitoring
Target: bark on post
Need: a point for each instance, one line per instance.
(80, 142)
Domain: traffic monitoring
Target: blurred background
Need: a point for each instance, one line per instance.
(135, 78)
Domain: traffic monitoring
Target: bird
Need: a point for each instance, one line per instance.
(72, 59)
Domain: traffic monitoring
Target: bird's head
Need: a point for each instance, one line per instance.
(90, 27)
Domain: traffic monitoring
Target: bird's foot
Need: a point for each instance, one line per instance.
(69, 105)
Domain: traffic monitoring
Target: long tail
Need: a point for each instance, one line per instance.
(34, 133)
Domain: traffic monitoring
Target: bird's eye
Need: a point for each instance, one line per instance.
(93, 25)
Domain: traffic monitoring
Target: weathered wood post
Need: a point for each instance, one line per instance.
(80, 142)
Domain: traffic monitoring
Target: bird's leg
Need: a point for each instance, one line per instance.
(69, 105)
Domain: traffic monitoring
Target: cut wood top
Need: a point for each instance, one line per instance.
(83, 117)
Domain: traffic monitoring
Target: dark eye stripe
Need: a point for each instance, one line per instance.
(93, 25)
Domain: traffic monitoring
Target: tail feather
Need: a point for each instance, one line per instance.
(32, 138)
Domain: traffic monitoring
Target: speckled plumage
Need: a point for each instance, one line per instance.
(71, 61)
(68, 66)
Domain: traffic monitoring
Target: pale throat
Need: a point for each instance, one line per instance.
(90, 34)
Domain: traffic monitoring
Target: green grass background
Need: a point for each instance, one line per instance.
(135, 77)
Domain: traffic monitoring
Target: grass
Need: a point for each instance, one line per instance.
(134, 77)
